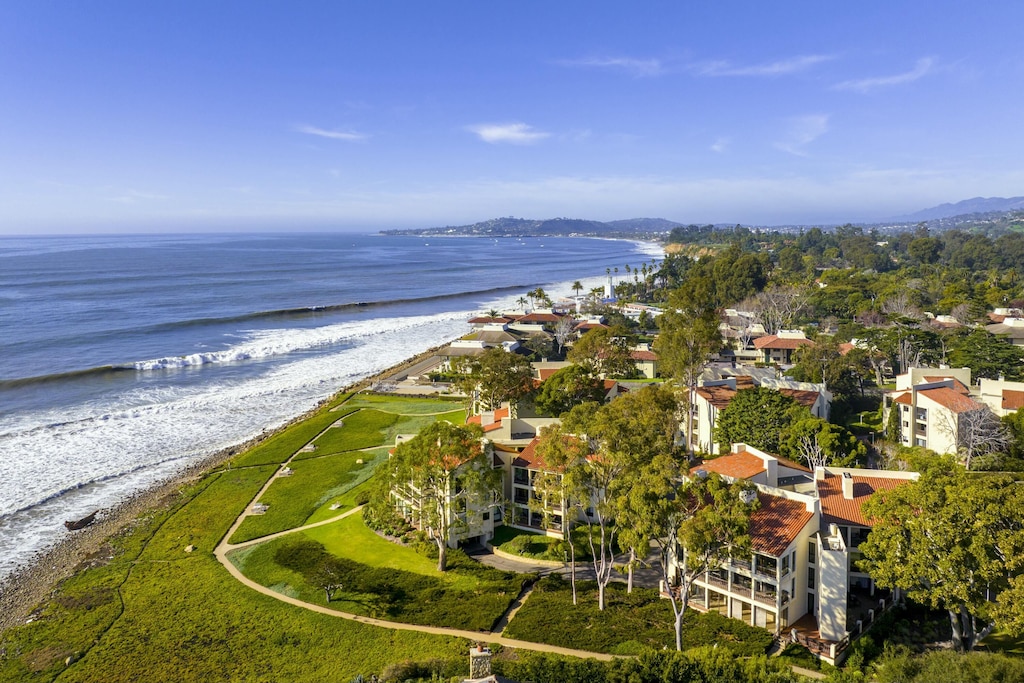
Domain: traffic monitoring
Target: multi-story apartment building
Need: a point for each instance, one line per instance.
(802, 578)
(933, 405)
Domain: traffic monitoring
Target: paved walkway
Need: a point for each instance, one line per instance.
(224, 548)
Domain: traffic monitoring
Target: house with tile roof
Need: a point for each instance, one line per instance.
(778, 348)
(714, 395)
(802, 579)
(1001, 396)
(933, 406)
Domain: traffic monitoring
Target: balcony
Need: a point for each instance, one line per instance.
(717, 581)
(765, 597)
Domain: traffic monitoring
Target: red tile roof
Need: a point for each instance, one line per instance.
(773, 341)
(719, 396)
(643, 355)
(835, 509)
(957, 384)
(904, 399)
(1013, 400)
(777, 523)
(487, 320)
(590, 326)
(540, 318)
(792, 464)
(544, 373)
(529, 457)
(951, 399)
(804, 398)
(742, 465)
(845, 348)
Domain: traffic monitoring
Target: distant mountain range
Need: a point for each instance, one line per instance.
(984, 213)
(965, 207)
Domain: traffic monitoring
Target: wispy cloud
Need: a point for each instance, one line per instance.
(346, 135)
(778, 68)
(511, 133)
(720, 145)
(924, 66)
(803, 130)
(631, 65)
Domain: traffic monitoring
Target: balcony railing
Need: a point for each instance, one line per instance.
(765, 597)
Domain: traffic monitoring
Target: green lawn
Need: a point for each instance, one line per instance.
(157, 613)
(404, 405)
(537, 546)
(386, 580)
(360, 429)
(283, 445)
(293, 499)
(1001, 641)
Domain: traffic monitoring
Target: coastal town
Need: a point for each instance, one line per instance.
(689, 456)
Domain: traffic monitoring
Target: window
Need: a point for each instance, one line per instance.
(785, 565)
(521, 496)
(487, 516)
(519, 475)
(921, 442)
(921, 414)
(810, 578)
(812, 550)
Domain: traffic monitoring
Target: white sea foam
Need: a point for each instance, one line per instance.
(72, 461)
(94, 455)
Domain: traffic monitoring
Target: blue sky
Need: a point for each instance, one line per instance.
(180, 116)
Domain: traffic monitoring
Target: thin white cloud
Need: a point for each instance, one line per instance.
(923, 67)
(720, 145)
(778, 68)
(631, 65)
(511, 133)
(346, 135)
(803, 130)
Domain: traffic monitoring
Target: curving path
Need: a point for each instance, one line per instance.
(224, 548)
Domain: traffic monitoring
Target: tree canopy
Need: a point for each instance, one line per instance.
(757, 417)
(497, 376)
(952, 541)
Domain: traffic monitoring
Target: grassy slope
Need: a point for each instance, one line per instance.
(154, 612)
(389, 581)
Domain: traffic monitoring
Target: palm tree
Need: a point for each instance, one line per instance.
(521, 301)
(577, 287)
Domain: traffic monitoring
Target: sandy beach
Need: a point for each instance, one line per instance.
(29, 586)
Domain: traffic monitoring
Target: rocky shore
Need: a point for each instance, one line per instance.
(29, 586)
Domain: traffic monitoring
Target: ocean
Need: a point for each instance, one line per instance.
(123, 359)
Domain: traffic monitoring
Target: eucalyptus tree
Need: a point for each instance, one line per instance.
(689, 335)
(444, 476)
(708, 518)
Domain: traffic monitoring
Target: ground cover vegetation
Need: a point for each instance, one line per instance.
(468, 596)
(355, 431)
(630, 622)
(118, 621)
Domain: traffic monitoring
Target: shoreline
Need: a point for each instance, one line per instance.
(29, 586)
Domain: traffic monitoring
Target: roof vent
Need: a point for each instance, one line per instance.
(702, 474)
(748, 496)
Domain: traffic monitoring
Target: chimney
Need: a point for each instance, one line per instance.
(479, 661)
(847, 486)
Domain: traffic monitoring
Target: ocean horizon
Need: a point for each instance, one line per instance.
(127, 358)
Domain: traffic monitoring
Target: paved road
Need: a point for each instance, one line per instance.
(647, 577)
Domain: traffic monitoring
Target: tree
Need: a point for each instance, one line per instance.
(569, 387)
(497, 376)
(443, 477)
(709, 518)
(327, 576)
(540, 345)
(563, 479)
(563, 332)
(976, 433)
(604, 352)
(577, 287)
(623, 437)
(950, 540)
(819, 443)
(689, 335)
(756, 417)
(987, 355)
(777, 307)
